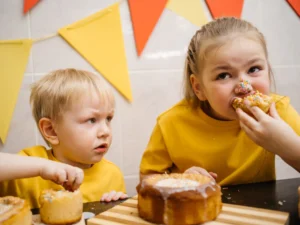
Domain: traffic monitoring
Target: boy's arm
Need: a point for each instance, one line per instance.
(16, 166)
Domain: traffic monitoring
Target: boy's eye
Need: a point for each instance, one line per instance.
(92, 120)
(109, 118)
(223, 76)
(254, 69)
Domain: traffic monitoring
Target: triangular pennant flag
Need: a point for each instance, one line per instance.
(220, 8)
(144, 16)
(295, 4)
(191, 10)
(28, 4)
(98, 38)
(13, 60)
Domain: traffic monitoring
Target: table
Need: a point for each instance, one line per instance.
(279, 195)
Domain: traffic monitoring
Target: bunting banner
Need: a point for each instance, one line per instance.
(220, 8)
(99, 39)
(144, 16)
(29, 4)
(295, 4)
(14, 56)
(192, 10)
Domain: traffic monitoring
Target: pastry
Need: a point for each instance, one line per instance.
(178, 199)
(255, 99)
(60, 207)
(14, 211)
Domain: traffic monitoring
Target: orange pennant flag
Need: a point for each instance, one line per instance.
(295, 4)
(220, 8)
(28, 4)
(99, 39)
(144, 16)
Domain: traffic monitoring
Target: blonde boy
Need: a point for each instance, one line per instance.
(73, 110)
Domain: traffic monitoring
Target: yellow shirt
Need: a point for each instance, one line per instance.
(102, 177)
(184, 137)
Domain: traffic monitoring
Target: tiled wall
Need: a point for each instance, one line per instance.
(155, 77)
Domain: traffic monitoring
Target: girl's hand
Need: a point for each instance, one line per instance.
(199, 170)
(113, 196)
(69, 177)
(268, 131)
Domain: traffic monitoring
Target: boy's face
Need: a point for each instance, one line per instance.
(84, 131)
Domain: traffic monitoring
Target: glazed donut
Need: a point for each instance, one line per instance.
(177, 199)
(14, 211)
(256, 99)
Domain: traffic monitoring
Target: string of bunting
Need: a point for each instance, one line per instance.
(98, 38)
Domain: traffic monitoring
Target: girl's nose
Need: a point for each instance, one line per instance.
(243, 87)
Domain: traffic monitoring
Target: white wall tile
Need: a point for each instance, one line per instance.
(287, 82)
(131, 183)
(153, 93)
(284, 171)
(280, 25)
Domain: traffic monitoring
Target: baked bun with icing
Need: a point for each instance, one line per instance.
(178, 199)
(255, 99)
(60, 207)
(14, 211)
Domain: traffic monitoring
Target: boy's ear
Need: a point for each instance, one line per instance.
(197, 87)
(47, 129)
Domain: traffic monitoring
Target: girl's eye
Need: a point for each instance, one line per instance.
(223, 76)
(254, 69)
(92, 120)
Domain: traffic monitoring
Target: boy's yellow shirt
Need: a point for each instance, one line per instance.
(102, 177)
(184, 137)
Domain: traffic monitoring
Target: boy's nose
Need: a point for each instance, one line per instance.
(243, 87)
(103, 130)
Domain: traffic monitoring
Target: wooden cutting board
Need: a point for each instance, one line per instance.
(127, 213)
(36, 220)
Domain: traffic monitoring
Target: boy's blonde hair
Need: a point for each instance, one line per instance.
(212, 35)
(54, 93)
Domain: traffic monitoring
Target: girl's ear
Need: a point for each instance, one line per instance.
(46, 127)
(197, 87)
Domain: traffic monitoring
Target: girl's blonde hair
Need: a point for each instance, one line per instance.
(54, 93)
(210, 36)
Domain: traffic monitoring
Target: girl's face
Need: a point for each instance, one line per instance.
(239, 59)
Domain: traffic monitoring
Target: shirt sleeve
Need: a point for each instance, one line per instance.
(156, 158)
(289, 114)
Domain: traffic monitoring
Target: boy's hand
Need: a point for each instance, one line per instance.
(199, 170)
(113, 196)
(268, 131)
(69, 177)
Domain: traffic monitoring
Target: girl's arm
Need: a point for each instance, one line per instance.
(15, 166)
(272, 133)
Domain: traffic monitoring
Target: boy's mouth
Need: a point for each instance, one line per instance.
(101, 148)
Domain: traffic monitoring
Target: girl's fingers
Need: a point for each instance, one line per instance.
(273, 111)
(214, 175)
(258, 113)
(246, 119)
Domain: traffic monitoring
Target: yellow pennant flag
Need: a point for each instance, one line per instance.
(191, 10)
(13, 61)
(98, 38)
